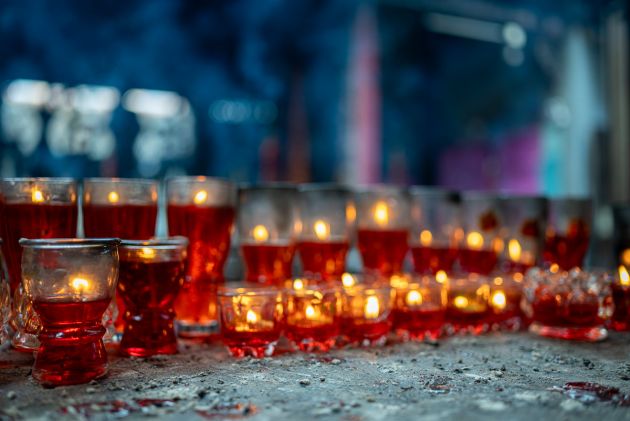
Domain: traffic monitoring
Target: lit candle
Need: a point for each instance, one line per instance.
(426, 238)
(372, 307)
(310, 312)
(381, 214)
(498, 300)
(37, 196)
(413, 298)
(441, 276)
(80, 285)
(460, 302)
(514, 250)
(348, 280)
(624, 277)
(260, 234)
(474, 240)
(113, 197)
(200, 197)
(322, 230)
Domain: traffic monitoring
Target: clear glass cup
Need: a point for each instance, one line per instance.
(151, 274)
(468, 307)
(5, 300)
(383, 221)
(436, 230)
(71, 282)
(482, 222)
(268, 225)
(568, 232)
(326, 216)
(506, 292)
(203, 210)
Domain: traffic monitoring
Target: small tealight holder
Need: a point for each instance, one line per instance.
(482, 243)
(506, 291)
(71, 283)
(383, 220)
(436, 229)
(420, 308)
(366, 306)
(151, 274)
(620, 320)
(311, 315)
(572, 305)
(468, 305)
(251, 318)
(568, 232)
(268, 225)
(326, 214)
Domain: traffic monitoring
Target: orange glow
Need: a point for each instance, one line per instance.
(372, 307)
(37, 196)
(381, 214)
(348, 280)
(80, 284)
(413, 298)
(625, 257)
(441, 277)
(624, 277)
(322, 230)
(113, 197)
(251, 317)
(260, 233)
(298, 284)
(309, 312)
(147, 253)
(514, 250)
(200, 197)
(474, 240)
(554, 268)
(498, 300)
(460, 301)
(426, 238)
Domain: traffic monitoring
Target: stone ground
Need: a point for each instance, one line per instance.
(494, 377)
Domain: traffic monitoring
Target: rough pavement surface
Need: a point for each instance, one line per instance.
(493, 377)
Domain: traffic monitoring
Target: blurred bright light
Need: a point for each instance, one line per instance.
(153, 103)
(94, 99)
(27, 92)
(241, 111)
(514, 35)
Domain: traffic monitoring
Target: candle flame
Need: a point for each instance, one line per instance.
(624, 277)
(441, 277)
(147, 253)
(37, 196)
(554, 268)
(200, 197)
(498, 300)
(414, 298)
(381, 214)
(348, 280)
(322, 230)
(625, 257)
(260, 233)
(474, 240)
(113, 197)
(298, 284)
(351, 213)
(460, 301)
(309, 312)
(372, 307)
(514, 250)
(426, 238)
(80, 284)
(251, 317)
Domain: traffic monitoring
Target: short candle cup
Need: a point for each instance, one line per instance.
(365, 310)
(203, 210)
(311, 315)
(151, 274)
(251, 318)
(420, 307)
(32, 208)
(326, 213)
(571, 305)
(436, 229)
(482, 243)
(268, 225)
(468, 307)
(383, 216)
(620, 320)
(506, 292)
(568, 232)
(71, 283)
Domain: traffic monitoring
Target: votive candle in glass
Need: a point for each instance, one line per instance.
(506, 291)
(151, 274)
(568, 232)
(482, 241)
(420, 307)
(326, 213)
(468, 306)
(203, 210)
(383, 219)
(268, 224)
(311, 315)
(436, 229)
(620, 320)
(71, 283)
(251, 318)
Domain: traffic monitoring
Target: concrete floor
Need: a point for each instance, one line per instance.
(494, 377)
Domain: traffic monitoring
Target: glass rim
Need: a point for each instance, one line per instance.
(120, 180)
(479, 194)
(260, 187)
(324, 187)
(48, 180)
(69, 243)
(379, 188)
(247, 289)
(434, 191)
(164, 243)
(198, 179)
(571, 199)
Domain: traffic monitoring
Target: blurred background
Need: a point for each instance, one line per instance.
(527, 96)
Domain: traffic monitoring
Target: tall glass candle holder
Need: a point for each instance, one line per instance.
(325, 213)
(268, 224)
(468, 307)
(568, 232)
(251, 318)
(71, 283)
(571, 305)
(32, 208)
(482, 243)
(203, 210)
(311, 319)
(436, 229)
(420, 307)
(383, 219)
(620, 320)
(151, 274)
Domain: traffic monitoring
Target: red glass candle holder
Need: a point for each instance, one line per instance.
(151, 273)
(506, 291)
(568, 232)
(365, 310)
(71, 283)
(32, 208)
(251, 318)
(383, 218)
(5, 300)
(325, 213)
(571, 305)
(482, 244)
(468, 307)
(311, 315)
(436, 229)
(201, 209)
(268, 224)
(620, 320)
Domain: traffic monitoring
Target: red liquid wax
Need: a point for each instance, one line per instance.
(316, 338)
(567, 251)
(383, 250)
(552, 309)
(433, 259)
(129, 222)
(33, 220)
(482, 262)
(267, 264)
(327, 259)
(148, 290)
(208, 231)
(621, 317)
(71, 349)
(364, 332)
(473, 318)
(419, 324)
(257, 344)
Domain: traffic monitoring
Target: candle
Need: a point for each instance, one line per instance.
(505, 299)
(479, 256)
(468, 305)
(620, 320)
(568, 232)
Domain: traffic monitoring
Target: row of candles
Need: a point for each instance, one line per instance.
(469, 255)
